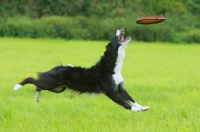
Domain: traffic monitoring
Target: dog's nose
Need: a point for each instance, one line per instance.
(119, 31)
(119, 28)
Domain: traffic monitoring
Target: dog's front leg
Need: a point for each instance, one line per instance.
(117, 99)
(128, 98)
(124, 93)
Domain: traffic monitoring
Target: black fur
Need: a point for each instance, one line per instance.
(96, 79)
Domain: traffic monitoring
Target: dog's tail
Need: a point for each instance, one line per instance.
(29, 80)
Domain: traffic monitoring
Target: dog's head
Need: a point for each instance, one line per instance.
(118, 40)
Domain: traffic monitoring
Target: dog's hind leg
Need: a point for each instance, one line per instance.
(37, 94)
(29, 80)
(58, 89)
(128, 98)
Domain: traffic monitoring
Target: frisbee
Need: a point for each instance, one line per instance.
(150, 19)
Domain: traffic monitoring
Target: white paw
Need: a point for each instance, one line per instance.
(37, 96)
(17, 86)
(135, 109)
(145, 108)
(136, 105)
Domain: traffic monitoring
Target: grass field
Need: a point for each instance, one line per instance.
(165, 77)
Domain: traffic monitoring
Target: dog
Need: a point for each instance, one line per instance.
(103, 77)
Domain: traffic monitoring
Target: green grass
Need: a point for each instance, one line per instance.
(165, 77)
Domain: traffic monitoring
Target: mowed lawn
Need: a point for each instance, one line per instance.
(164, 76)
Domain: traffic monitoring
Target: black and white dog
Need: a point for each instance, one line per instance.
(104, 77)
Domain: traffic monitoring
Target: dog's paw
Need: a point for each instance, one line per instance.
(145, 108)
(136, 106)
(37, 96)
(135, 109)
(17, 86)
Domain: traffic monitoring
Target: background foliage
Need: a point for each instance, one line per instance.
(95, 19)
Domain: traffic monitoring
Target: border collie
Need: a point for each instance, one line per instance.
(103, 77)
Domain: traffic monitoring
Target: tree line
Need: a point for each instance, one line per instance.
(96, 8)
(182, 16)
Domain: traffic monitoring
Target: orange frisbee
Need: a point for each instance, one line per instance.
(150, 19)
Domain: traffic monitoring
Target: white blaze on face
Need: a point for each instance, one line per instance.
(118, 32)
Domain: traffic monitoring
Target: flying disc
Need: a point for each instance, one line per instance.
(150, 20)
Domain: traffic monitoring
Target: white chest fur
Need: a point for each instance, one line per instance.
(119, 62)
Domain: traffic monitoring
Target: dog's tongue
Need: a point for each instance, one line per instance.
(122, 40)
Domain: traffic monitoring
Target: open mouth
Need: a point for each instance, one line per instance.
(121, 36)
